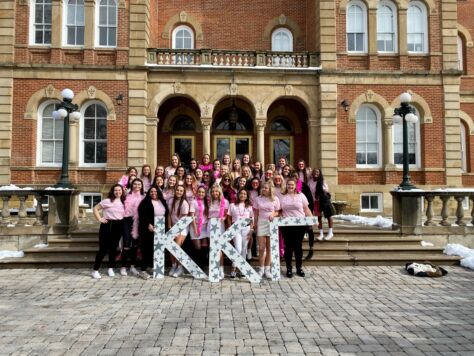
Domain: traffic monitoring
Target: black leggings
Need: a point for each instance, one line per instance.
(109, 237)
(130, 245)
(293, 236)
(146, 248)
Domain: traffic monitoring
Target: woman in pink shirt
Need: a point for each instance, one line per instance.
(130, 243)
(171, 169)
(280, 185)
(266, 208)
(178, 208)
(206, 164)
(154, 205)
(199, 231)
(294, 204)
(218, 207)
(146, 177)
(242, 209)
(168, 192)
(190, 187)
(111, 226)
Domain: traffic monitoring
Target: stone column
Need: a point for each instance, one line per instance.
(313, 142)
(449, 33)
(326, 33)
(139, 31)
(6, 110)
(372, 35)
(206, 135)
(56, 30)
(73, 143)
(388, 144)
(137, 118)
(152, 140)
(402, 37)
(89, 31)
(261, 122)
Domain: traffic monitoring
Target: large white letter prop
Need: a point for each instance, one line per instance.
(220, 242)
(166, 241)
(274, 244)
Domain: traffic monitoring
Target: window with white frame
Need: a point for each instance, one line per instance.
(107, 24)
(371, 202)
(356, 26)
(50, 135)
(417, 27)
(282, 40)
(183, 37)
(386, 27)
(368, 137)
(463, 149)
(413, 143)
(94, 135)
(460, 44)
(90, 199)
(40, 19)
(73, 32)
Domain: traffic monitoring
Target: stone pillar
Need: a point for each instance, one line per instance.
(388, 143)
(261, 122)
(7, 31)
(137, 118)
(326, 33)
(372, 35)
(407, 213)
(402, 37)
(73, 143)
(152, 140)
(6, 113)
(56, 30)
(206, 135)
(313, 143)
(449, 33)
(139, 31)
(89, 31)
(63, 211)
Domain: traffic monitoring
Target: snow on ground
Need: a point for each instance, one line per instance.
(467, 254)
(57, 188)
(9, 254)
(40, 246)
(362, 220)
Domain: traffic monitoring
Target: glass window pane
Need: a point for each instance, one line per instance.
(242, 146)
(223, 147)
(89, 129)
(101, 111)
(80, 36)
(47, 130)
(374, 202)
(103, 16)
(38, 14)
(102, 129)
(184, 147)
(365, 202)
(112, 37)
(47, 14)
(58, 152)
(281, 147)
(112, 16)
(90, 111)
(59, 129)
(38, 36)
(89, 152)
(372, 158)
(71, 36)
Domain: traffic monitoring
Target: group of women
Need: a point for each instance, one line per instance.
(226, 190)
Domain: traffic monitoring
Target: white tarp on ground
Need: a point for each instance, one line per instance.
(9, 254)
(467, 254)
(362, 220)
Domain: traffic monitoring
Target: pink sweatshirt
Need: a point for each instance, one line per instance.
(131, 203)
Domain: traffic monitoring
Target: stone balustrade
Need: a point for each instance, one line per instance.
(224, 58)
(443, 211)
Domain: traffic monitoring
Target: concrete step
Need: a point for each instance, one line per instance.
(402, 259)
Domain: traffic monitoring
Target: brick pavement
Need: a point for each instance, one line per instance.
(333, 311)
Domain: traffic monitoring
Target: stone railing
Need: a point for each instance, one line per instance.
(224, 58)
(443, 211)
(20, 228)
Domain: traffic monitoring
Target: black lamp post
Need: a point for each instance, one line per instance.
(405, 114)
(65, 111)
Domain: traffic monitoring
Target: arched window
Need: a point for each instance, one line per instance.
(460, 44)
(40, 22)
(368, 137)
(183, 37)
(73, 34)
(50, 135)
(280, 124)
(184, 123)
(281, 139)
(386, 27)
(94, 134)
(282, 40)
(413, 143)
(417, 27)
(107, 23)
(463, 149)
(356, 26)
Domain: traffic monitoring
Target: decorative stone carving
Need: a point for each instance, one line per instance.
(23, 2)
(206, 124)
(233, 89)
(205, 110)
(260, 110)
(177, 87)
(282, 19)
(261, 124)
(49, 91)
(289, 89)
(369, 95)
(183, 16)
(91, 92)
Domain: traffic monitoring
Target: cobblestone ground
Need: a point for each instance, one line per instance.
(334, 310)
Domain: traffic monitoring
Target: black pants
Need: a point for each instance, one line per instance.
(293, 236)
(146, 248)
(109, 237)
(310, 236)
(130, 245)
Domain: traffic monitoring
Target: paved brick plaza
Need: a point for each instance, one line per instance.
(334, 310)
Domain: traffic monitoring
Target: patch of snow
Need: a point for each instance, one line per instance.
(9, 254)
(14, 187)
(362, 220)
(57, 188)
(40, 246)
(467, 254)
(11, 225)
(426, 244)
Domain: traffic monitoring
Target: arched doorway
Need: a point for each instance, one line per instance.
(286, 131)
(232, 129)
(179, 130)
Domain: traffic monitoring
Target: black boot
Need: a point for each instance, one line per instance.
(310, 254)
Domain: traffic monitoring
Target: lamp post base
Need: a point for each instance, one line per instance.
(64, 183)
(406, 185)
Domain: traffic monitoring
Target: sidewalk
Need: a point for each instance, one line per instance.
(334, 310)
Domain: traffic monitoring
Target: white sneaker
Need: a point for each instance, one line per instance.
(268, 272)
(221, 273)
(249, 254)
(144, 275)
(178, 272)
(123, 271)
(134, 271)
(321, 235)
(329, 236)
(261, 271)
(172, 270)
(96, 275)
(110, 272)
(233, 274)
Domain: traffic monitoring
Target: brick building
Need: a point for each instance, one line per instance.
(312, 79)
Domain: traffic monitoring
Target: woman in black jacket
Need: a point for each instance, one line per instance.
(154, 205)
